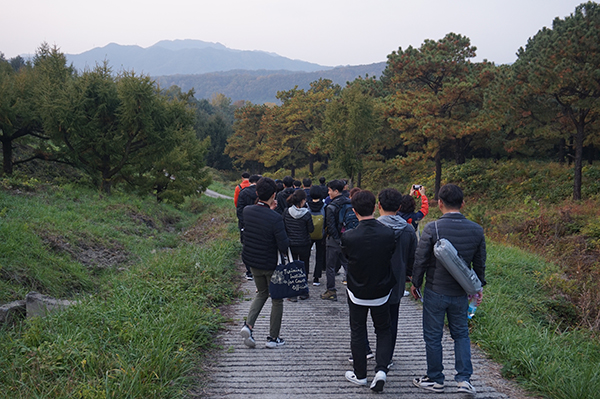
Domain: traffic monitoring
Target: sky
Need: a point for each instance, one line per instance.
(326, 32)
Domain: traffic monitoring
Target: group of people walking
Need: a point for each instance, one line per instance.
(377, 257)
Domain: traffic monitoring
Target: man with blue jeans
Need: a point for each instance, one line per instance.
(444, 297)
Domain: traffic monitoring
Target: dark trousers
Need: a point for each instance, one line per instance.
(358, 331)
(319, 258)
(303, 254)
(248, 271)
(394, 309)
(335, 258)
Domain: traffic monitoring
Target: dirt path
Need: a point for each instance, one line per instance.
(314, 359)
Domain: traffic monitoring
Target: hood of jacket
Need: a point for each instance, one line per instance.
(297, 213)
(315, 206)
(396, 222)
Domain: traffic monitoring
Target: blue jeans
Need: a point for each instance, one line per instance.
(435, 307)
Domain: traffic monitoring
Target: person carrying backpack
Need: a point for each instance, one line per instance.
(334, 219)
(317, 211)
(247, 197)
(283, 195)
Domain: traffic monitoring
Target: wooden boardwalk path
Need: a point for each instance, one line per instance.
(314, 359)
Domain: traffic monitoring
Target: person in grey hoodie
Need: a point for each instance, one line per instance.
(298, 225)
(404, 255)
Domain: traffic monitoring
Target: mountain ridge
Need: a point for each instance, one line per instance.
(170, 57)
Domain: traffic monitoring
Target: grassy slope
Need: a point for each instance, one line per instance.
(142, 321)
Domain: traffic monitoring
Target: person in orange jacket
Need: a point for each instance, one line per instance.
(245, 183)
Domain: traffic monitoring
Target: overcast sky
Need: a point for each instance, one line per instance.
(326, 32)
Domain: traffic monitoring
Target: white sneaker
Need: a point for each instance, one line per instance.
(466, 387)
(378, 381)
(246, 333)
(406, 293)
(426, 383)
(350, 376)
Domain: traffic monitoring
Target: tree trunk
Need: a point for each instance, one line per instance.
(7, 153)
(358, 179)
(311, 164)
(459, 153)
(561, 150)
(578, 161)
(438, 174)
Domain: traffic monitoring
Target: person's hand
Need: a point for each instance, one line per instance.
(422, 190)
(415, 292)
(479, 297)
(274, 205)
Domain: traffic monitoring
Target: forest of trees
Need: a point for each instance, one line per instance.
(433, 102)
(116, 129)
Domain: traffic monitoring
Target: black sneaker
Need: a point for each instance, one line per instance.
(274, 342)
(426, 383)
(249, 277)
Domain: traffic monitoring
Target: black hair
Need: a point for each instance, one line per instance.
(390, 199)
(265, 188)
(306, 182)
(254, 178)
(322, 180)
(279, 185)
(316, 192)
(245, 175)
(407, 204)
(336, 185)
(288, 181)
(451, 195)
(296, 198)
(363, 203)
(297, 183)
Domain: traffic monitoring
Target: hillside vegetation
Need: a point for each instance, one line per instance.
(149, 280)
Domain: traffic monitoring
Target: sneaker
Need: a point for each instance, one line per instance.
(344, 282)
(466, 387)
(378, 381)
(246, 333)
(274, 342)
(406, 293)
(426, 383)
(249, 277)
(390, 365)
(304, 297)
(370, 355)
(293, 299)
(331, 295)
(350, 376)
(316, 282)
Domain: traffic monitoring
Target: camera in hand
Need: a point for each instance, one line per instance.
(417, 186)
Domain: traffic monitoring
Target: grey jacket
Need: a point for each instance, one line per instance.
(468, 239)
(404, 254)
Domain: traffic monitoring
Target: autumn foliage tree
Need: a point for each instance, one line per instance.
(244, 145)
(436, 98)
(559, 67)
(351, 123)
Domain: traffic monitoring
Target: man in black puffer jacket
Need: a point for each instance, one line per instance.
(264, 236)
(283, 195)
(246, 197)
(443, 294)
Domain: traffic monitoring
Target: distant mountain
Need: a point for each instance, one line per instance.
(262, 86)
(170, 57)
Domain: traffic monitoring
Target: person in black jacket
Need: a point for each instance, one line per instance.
(404, 254)
(246, 197)
(298, 225)
(369, 249)
(443, 296)
(264, 236)
(288, 183)
(335, 258)
(317, 207)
